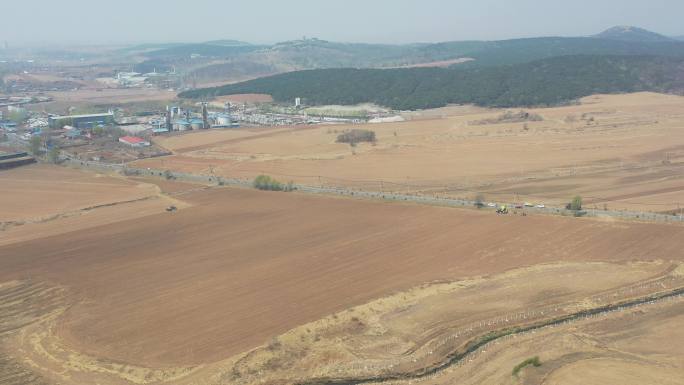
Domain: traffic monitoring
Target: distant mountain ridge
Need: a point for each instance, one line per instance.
(230, 60)
(631, 33)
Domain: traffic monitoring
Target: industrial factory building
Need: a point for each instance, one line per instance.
(179, 120)
(81, 121)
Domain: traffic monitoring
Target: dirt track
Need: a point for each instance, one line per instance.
(243, 266)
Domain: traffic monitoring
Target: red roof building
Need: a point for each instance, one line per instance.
(134, 141)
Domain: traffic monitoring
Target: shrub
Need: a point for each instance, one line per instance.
(265, 182)
(356, 136)
(511, 117)
(534, 361)
(576, 204)
(53, 155)
(35, 144)
(114, 132)
(18, 116)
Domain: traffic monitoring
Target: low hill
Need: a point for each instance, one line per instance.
(229, 43)
(543, 82)
(149, 47)
(232, 60)
(203, 49)
(316, 53)
(630, 33)
(516, 51)
(319, 54)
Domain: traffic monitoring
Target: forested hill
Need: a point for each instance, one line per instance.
(543, 82)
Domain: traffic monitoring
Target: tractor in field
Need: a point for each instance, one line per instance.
(503, 210)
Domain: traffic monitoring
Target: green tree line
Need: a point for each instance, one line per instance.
(540, 83)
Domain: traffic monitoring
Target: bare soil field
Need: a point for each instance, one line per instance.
(24, 195)
(108, 96)
(185, 297)
(40, 200)
(42, 78)
(617, 151)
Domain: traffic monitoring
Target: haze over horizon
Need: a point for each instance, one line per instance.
(382, 21)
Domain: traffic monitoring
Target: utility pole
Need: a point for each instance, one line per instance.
(169, 126)
(205, 116)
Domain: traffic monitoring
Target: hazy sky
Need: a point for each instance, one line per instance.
(264, 21)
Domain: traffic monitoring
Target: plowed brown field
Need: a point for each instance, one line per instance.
(41, 200)
(240, 266)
